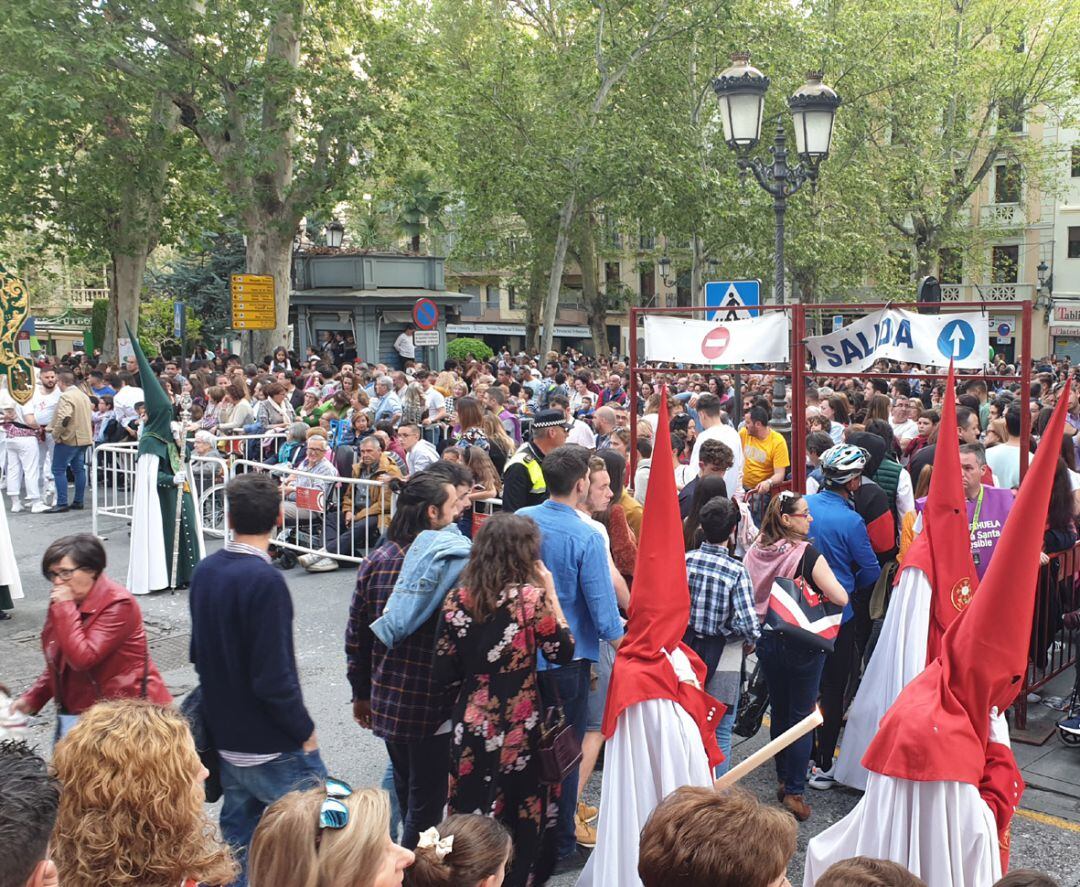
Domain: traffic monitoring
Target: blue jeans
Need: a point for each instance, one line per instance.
(793, 674)
(65, 456)
(723, 737)
(567, 686)
(388, 786)
(248, 791)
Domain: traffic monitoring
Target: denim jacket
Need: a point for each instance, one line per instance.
(432, 567)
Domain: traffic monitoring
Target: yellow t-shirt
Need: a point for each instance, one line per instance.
(762, 457)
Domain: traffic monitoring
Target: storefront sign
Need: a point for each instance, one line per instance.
(896, 334)
(1066, 312)
(735, 343)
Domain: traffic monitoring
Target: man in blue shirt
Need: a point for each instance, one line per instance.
(575, 555)
(386, 404)
(840, 535)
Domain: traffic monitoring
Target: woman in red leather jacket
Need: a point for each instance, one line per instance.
(94, 643)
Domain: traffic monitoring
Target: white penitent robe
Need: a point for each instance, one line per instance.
(9, 569)
(900, 655)
(943, 832)
(656, 748)
(147, 567)
(152, 542)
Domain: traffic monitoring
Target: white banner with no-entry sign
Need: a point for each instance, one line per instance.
(895, 334)
(734, 343)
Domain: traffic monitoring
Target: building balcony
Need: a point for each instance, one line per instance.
(987, 292)
(1002, 215)
(85, 296)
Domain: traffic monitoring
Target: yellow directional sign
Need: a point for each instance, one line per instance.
(253, 304)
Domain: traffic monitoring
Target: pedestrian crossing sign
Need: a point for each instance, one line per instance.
(732, 299)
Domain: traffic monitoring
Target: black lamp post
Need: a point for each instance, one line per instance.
(741, 91)
(1043, 296)
(664, 264)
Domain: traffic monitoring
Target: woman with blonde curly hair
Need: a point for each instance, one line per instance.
(131, 810)
(328, 836)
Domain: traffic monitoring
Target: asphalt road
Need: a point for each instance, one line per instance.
(321, 602)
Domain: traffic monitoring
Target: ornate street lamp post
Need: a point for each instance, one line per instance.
(741, 92)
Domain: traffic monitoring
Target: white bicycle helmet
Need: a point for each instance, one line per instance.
(843, 463)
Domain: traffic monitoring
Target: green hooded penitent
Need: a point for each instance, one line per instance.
(157, 440)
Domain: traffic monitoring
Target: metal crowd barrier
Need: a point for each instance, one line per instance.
(112, 474)
(112, 481)
(209, 475)
(315, 518)
(314, 505)
(1053, 647)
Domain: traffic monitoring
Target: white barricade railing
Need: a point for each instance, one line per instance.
(112, 475)
(112, 481)
(318, 512)
(318, 508)
(209, 474)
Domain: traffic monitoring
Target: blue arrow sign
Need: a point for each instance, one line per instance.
(957, 340)
(735, 299)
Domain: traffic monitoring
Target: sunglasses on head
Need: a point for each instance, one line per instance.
(333, 813)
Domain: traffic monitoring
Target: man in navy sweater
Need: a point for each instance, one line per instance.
(242, 648)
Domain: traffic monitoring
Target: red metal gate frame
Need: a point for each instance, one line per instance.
(799, 371)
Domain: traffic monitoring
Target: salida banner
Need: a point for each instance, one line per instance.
(896, 334)
(737, 342)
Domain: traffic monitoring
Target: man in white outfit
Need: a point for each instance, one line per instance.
(715, 426)
(43, 406)
(22, 456)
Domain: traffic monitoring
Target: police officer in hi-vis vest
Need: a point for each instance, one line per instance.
(523, 479)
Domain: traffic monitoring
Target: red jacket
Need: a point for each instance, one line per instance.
(98, 650)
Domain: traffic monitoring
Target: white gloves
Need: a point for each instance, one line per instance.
(999, 728)
(179, 478)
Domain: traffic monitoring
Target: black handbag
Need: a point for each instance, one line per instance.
(559, 750)
(192, 709)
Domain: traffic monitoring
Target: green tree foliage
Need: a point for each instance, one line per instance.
(98, 320)
(460, 349)
(202, 281)
(156, 328)
(421, 204)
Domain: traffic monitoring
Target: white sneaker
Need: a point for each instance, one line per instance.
(822, 780)
(16, 506)
(306, 560)
(38, 507)
(322, 565)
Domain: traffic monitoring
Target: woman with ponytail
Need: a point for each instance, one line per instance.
(465, 850)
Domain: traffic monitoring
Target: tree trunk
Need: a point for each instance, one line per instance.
(137, 226)
(697, 271)
(562, 241)
(596, 302)
(270, 253)
(534, 302)
(126, 272)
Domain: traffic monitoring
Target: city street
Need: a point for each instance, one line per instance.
(1046, 834)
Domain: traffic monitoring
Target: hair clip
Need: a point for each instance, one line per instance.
(441, 846)
(787, 494)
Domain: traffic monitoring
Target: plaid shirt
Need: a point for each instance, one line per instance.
(721, 596)
(406, 702)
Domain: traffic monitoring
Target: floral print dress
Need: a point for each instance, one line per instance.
(494, 769)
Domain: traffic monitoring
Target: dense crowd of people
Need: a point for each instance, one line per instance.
(497, 545)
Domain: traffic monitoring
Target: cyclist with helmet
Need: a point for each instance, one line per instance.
(840, 534)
